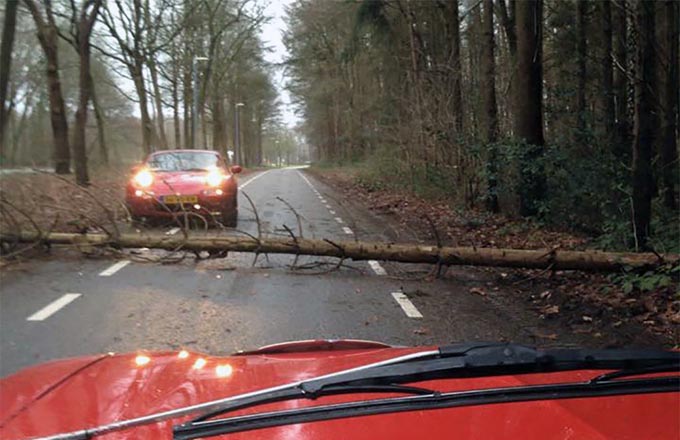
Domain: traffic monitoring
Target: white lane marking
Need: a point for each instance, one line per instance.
(322, 200)
(53, 307)
(406, 305)
(257, 176)
(347, 230)
(114, 268)
(172, 231)
(331, 211)
(338, 219)
(377, 268)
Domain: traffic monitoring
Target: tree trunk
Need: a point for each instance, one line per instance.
(219, 121)
(101, 121)
(528, 93)
(622, 138)
(608, 103)
(8, 30)
(507, 16)
(175, 110)
(456, 68)
(670, 169)
(490, 111)
(162, 138)
(591, 261)
(48, 38)
(188, 102)
(646, 91)
(85, 25)
(581, 53)
(136, 71)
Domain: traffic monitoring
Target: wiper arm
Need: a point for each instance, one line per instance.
(463, 360)
(454, 399)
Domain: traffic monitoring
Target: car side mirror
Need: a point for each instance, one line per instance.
(236, 169)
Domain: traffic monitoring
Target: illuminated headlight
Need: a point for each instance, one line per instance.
(144, 178)
(214, 178)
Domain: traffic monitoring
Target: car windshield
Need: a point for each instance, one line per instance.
(182, 161)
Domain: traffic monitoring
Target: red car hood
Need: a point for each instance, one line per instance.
(180, 182)
(68, 395)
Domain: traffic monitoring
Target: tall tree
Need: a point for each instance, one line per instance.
(47, 31)
(669, 144)
(8, 30)
(528, 96)
(490, 110)
(456, 66)
(607, 95)
(88, 15)
(645, 123)
(622, 138)
(581, 54)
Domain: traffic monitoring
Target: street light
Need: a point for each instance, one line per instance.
(237, 133)
(194, 113)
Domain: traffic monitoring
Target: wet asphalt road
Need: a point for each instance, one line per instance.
(66, 305)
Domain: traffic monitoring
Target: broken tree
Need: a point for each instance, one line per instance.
(406, 253)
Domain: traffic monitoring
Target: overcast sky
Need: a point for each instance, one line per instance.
(272, 35)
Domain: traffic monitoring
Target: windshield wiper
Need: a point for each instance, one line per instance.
(456, 361)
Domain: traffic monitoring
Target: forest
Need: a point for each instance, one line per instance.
(562, 111)
(106, 82)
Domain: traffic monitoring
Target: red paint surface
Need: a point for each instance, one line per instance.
(190, 183)
(115, 388)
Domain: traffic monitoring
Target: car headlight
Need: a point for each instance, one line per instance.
(143, 178)
(214, 178)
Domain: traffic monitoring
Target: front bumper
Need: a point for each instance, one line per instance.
(151, 206)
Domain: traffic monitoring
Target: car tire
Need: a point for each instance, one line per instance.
(230, 214)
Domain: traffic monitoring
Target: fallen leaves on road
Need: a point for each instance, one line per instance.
(421, 331)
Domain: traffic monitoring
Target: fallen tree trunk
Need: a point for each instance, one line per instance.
(592, 261)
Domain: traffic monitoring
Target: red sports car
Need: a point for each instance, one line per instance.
(186, 181)
(350, 389)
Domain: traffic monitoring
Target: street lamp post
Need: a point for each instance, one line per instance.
(237, 133)
(194, 111)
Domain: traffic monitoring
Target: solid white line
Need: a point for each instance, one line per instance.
(331, 211)
(347, 230)
(377, 268)
(406, 305)
(338, 219)
(257, 176)
(53, 307)
(172, 231)
(114, 268)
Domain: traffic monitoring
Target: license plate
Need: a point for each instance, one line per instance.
(173, 200)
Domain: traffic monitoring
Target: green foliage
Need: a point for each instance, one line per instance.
(632, 282)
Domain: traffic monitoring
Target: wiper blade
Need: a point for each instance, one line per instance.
(461, 361)
(432, 401)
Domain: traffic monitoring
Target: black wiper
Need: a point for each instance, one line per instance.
(456, 361)
(205, 429)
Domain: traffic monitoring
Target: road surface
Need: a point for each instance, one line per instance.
(65, 305)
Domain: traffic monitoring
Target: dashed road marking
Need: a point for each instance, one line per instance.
(331, 211)
(172, 231)
(347, 230)
(244, 184)
(53, 307)
(338, 219)
(322, 200)
(377, 268)
(406, 305)
(114, 268)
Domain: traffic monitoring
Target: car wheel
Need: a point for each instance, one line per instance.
(230, 215)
